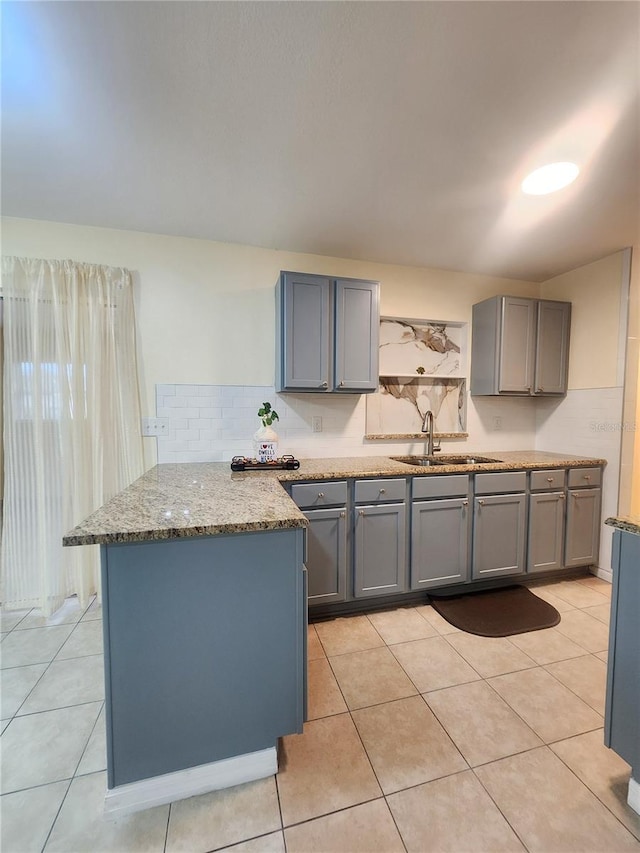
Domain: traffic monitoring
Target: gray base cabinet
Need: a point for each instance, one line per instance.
(546, 532)
(380, 565)
(327, 555)
(622, 714)
(439, 542)
(327, 333)
(582, 538)
(204, 649)
(499, 528)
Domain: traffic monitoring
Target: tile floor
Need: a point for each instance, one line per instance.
(420, 738)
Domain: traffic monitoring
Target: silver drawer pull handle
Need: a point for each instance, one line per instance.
(360, 512)
(320, 494)
(561, 496)
(382, 491)
(549, 479)
(481, 503)
(465, 503)
(587, 476)
(324, 385)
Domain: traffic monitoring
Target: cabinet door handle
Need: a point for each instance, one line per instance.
(561, 496)
(324, 385)
(481, 503)
(341, 383)
(343, 514)
(320, 494)
(360, 512)
(528, 388)
(382, 491)
(540, 388)
(465, 503)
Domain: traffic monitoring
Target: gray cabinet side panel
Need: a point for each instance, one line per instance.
(380, 550)
(517, 352)
(307, 328)
(552, 353)
(327, 555)
(439, 543)
(357, 321)
(485, 347)
(583, 527)
(624, 706)
(204, 649)
(546, 531)
(498, 536)
(616, 546)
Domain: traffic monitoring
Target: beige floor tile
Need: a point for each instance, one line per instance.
(585, 676)
(94, 758)
(602, 771)
(584, 630)
(601, 612)
(360, 829)
(10, 618)
(27, 817)
(81, 826)
(603, 656)
(549, 808)
(578, 594)
(23, 648)
(406, 744)
(272, 843)
(599, 584)
(86, 639)
(350, 634)
(68, 614)
(324, 696)
(552, 711)
(432, 616)
(220, 818)
(547, 594)
(45, 747)
(432, 664)
(453, 814)
(547, 646)
(371, 677)
(314, 646)
(15, 686)
(324, 770)
(67, 682)
(490, 655)
(480, 723)
(402, 625)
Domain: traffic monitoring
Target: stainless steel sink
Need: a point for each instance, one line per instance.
(427, 461)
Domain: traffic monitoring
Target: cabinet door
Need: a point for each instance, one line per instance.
(583, 527)
(306, 329)
(517, 345)
(552, 350)
(327, 555)
(439, 542)
(498, 535)
(546, 531)
(380, 550)
(357, 322)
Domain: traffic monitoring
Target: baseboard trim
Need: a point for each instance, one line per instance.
(633, 796)
(159, 790)
(605, 574)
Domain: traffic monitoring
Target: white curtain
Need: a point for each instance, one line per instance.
(71, 420)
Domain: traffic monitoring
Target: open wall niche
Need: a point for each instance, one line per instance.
(423, 367)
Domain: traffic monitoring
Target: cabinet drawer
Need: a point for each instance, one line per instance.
(584, 477)
(551, 479)
(509, 481)
(380, 491)
(319, 494)
(456, 485)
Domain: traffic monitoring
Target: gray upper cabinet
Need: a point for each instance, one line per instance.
(326, 334)
(520, 346)
(380, 564)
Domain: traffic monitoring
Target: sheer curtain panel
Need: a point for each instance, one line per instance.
(71, 420)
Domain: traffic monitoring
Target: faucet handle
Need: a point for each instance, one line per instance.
(436, 447)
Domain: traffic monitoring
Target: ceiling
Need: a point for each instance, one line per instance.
(389, 131)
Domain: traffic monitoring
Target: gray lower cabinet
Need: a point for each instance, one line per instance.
(327, 555)
(326, 334)
(439, 542)
(582, 539)
(380, 564)
(546, 531)
(499, 531)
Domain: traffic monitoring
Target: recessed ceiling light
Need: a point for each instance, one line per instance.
(550, 178)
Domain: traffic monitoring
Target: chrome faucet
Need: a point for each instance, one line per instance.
(427, 426)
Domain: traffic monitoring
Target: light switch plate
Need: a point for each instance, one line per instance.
(316, 424)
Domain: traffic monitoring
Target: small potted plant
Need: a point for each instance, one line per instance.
(265, 440)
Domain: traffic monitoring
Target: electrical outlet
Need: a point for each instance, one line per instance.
(497, 423)
(316, 424)
(155, 426)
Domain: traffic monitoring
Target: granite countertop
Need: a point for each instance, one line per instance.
(629, 523)
(176, 500)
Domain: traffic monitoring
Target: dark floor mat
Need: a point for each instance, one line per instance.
(497, 612)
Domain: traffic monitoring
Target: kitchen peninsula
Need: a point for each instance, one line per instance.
(205, 602)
